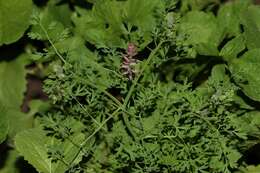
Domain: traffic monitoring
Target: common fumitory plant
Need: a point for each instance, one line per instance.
(139, 86)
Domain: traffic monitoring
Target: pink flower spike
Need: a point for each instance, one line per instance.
(131, 49)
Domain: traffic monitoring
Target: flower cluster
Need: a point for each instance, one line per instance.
(129, 61)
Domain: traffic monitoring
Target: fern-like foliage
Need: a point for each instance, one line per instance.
(166, 119)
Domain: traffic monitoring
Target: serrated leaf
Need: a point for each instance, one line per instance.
(102, 25)
(233, 48)
(251, 23)
(110, 22)
(61, 13)
(229, 16)
(47, 24)
(139, 13)
(246, 73)
(13, 83)
(33, 146)
(248, 123)
(13, 27)
(12, 88)
(203, 32)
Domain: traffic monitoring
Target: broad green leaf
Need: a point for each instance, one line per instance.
(12, 89)
(218, 75)
(251, 23)
(203, 32)
(111, 23)
(246, 73)
(139, 13)
(14, 19)
(229, 16)
(102, 25)
(33, 146)
(4, 124)
(18, 121)
(233, 48)
(109, 12)
(251, 122)
(13, 83)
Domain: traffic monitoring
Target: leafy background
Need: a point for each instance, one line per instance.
(218, 37)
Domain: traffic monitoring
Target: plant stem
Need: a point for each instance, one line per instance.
(52, 44)
(95, 132)
(132, 88)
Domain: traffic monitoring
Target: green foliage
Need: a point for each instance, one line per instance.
(11, 92)
(245, 71)
(203, 32)
(251, 25)
(251, 169)
(112, 23)
(13, 27)
(48, 154)
(229, 16)
(4, 124)
(198, 4)
(189, 106)
(231, 50)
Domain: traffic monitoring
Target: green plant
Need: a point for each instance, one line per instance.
(190, 103)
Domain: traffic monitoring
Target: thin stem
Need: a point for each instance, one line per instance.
(106, 93)
(52, 44)
(132, 88)
(85, 110)
(95, 132)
